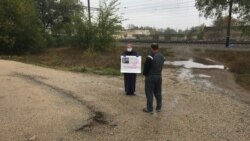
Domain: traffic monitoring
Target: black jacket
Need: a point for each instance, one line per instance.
(154, 64)
(132, 53)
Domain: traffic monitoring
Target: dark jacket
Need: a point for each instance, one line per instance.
(132, 53)
(154, 64)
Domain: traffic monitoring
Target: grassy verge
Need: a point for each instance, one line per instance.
(74, 59)
(77, 60)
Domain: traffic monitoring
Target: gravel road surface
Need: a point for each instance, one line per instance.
(43, 104)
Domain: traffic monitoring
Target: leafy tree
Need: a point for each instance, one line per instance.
(60, 19)
(68, 11)
(47, 12)
(80, 36)
(222, 22)
(20, 28)
(132, 26)
(195, 33)
(107, 25)
(170, 31)
(215, 8)
(25, 23)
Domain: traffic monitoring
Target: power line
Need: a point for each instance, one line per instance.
(91, 8)
(162, 12)
(139, 3)
(155, 4)
(155, 8)
(170, 23)
(166, 11)
(148, 8)
(179, 11)
(135, 4)
(182, 9)
(169, 12)
(180, 16)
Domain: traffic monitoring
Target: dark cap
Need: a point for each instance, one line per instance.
(154, 46)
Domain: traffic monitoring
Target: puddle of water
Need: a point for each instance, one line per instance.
(187, 75)
(203, 76)
(191, 64)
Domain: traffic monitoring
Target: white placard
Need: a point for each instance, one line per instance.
(130, 64)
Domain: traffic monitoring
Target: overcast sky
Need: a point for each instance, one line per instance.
(177, 14)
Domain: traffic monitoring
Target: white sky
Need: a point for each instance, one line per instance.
(177, 14)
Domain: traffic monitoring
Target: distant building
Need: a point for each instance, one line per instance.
(132, 34)
(163, 37)
(175, 37)
(192, 37)
(145, 35)
(219, 34)
(170, 37)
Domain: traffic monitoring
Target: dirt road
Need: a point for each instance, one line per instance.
(50, 105)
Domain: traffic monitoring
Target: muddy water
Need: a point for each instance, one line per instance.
(191, 64)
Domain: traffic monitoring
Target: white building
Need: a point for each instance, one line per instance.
(132, 34)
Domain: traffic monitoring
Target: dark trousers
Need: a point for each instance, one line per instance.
(129, 82)
(153, 87)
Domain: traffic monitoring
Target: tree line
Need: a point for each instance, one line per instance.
(218, 8)
(32, 25)
(193, 31)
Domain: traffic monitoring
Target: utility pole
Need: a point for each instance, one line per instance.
(229, 24)
(89, 33)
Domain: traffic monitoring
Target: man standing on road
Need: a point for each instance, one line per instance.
(153, 82)
(129, 78)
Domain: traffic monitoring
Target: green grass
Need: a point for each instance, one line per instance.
(74, 59)
(77, 60)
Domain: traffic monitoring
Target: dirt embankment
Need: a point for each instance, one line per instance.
(49, 105)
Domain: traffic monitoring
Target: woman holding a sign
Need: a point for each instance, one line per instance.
(129, 74)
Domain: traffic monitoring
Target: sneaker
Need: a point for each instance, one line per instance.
(158, 110)
(133, 94)
(147, 111)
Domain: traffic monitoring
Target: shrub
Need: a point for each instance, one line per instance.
(20, 27)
